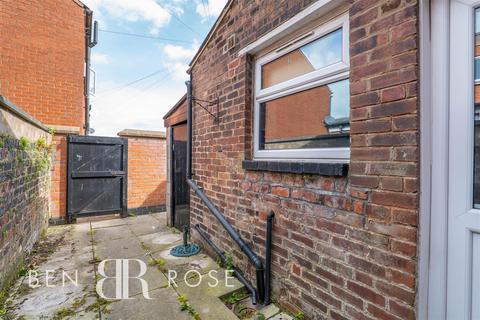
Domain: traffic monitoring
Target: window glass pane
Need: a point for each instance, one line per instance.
(476, 173)
(315, 55)
(314, 118)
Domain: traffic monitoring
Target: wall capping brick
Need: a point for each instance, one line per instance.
(324, 169)
(65, 129)
(142, 133)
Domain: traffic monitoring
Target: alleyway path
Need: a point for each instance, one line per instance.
(81, 247)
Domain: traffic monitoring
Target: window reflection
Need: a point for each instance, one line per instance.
(315, 55)
(314, 118)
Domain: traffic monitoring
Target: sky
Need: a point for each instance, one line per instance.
(138, 79)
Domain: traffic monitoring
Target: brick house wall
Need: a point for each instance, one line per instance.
(147, 170)
(344, 247)
(42, 70)
(24, 186)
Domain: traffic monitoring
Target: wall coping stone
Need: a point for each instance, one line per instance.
(65, 129)
(142, 133)
(13, 108)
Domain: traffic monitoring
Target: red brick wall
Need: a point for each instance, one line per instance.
(344, 248)
(42, 59)
(147, 172)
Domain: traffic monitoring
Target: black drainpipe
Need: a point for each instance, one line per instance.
(262, 290)
(189, 127)
(268, 257)
(89, 27)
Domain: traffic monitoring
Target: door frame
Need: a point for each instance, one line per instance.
(172, 174)
(435, 161)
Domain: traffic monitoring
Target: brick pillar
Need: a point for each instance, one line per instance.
(58, 191)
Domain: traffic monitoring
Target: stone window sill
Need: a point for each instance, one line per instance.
(324, 169)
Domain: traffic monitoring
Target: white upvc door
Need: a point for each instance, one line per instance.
(463, 220)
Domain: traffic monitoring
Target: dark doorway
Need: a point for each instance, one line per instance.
(181, 213)
(97, 176)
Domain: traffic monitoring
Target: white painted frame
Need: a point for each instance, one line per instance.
(425, 160)
(451, 156)
(332, 73)
(463, 219)
(313, 12)
(435, 302)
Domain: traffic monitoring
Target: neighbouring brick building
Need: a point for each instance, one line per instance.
(146, 170)
(43, 59)
(342, 175)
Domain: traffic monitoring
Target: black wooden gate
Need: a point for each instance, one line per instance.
(97, 176)
(181, 213)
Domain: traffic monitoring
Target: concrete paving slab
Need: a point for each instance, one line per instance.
(159, 241)
(160, 216)
(117, 221)
(147, 227)
(141, 219)
(118, 249)
(267, 311)
(205, 299)
(163, 306)
(111, 233)
(282, 316)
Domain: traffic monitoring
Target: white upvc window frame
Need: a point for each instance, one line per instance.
(329, 74)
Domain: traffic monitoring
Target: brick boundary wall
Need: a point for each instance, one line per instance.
(147, 170)
(343, 247)
(24, 186)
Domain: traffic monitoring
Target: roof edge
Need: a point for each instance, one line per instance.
(175, 106)
(81, 4)
(209, 35)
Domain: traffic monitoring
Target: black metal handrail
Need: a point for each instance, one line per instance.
(222, 256)
(254, 259)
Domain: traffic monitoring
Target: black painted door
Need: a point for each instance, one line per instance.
(97, 176)
(181, 213)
